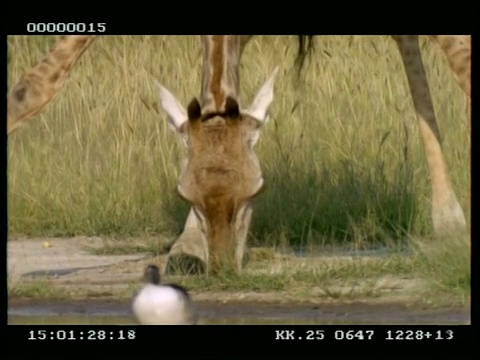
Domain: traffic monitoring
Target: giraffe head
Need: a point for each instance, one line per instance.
(220, 174)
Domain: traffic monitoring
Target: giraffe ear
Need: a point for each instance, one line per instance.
(259, 107)
(176, 112)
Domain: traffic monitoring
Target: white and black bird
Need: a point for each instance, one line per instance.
(163, 304)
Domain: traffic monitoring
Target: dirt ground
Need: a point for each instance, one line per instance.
(106, 281)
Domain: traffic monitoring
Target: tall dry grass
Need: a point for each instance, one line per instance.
(342, 155)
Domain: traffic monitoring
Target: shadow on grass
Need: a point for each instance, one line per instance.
(343, 204)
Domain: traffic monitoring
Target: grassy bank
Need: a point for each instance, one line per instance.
(341, 155)
(426, 274)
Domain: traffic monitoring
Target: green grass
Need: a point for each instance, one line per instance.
(38, 289)
(431, 274)
(446, 264)
(306, 275)
(342, 157)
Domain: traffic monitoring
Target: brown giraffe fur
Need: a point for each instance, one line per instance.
(40, 84)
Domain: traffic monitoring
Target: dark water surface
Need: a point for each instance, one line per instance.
(106, 312)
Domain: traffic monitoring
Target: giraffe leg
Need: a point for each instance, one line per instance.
(447, 215)
(39, 85)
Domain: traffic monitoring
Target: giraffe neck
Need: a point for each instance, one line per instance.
(220, 74)
(39, 85)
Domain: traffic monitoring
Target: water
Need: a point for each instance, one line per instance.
(111, 313)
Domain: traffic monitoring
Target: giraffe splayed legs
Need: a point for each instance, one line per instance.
(214, 215)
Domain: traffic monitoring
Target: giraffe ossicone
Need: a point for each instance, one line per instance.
(259, 107)
(175, 111)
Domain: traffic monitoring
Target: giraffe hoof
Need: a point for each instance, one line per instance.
(449, 220)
